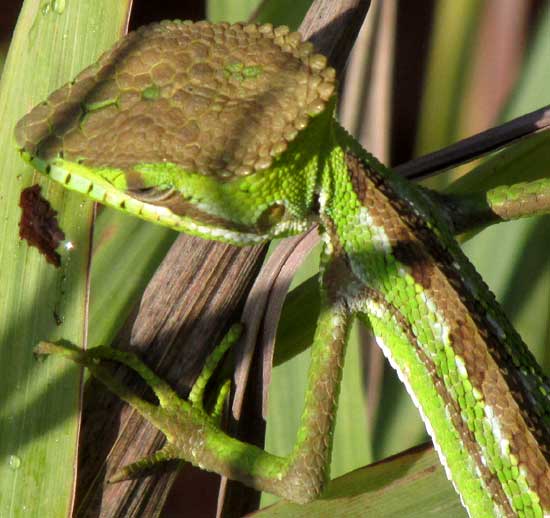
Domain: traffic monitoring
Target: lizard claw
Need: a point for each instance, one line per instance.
(145, 465)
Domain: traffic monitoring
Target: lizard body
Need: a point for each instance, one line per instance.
(227, 132)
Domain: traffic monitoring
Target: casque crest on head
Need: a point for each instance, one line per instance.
(215, 99)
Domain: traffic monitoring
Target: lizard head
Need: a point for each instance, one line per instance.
(211, 129)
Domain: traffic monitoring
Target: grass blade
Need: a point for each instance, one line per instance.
(223, 11)
(520, 277)
(39, 405)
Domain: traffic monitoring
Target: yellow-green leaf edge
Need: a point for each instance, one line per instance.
(39, 401)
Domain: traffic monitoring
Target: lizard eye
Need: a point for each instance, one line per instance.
(163, 196)
(153, 195)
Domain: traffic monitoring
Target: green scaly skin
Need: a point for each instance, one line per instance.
(227, 132)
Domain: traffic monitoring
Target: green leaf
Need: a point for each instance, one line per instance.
(230, 11)
(448, 64)
(3, 53)
(39, 412)
(283, 12)
(411, 484)
(512, 257)
(277, 12)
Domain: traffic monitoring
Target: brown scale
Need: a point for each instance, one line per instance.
(489, 365)
(443, 261)
(219, 100)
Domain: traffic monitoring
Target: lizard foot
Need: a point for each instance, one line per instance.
(171, 409)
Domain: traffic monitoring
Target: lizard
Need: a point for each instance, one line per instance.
(227, 132)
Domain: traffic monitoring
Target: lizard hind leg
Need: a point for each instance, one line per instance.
(145, 465)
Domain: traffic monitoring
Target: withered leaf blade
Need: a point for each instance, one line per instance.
(38, 224)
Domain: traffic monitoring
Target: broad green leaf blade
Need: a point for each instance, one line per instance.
(282, 12)
(412, 484)
(3, 53)
(277, 12)
(39, 405)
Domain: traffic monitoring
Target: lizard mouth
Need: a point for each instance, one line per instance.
(176, 203)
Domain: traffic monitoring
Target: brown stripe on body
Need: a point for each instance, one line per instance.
(490, 367)
(490, 480)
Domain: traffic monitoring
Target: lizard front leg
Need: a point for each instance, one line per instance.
(193, 434)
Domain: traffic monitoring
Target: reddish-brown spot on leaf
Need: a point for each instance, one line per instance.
(38, 224)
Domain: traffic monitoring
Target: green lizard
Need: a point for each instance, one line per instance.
(227, 133)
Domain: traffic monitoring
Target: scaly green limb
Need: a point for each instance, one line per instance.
(193, 435)
(226, 132)
(503, 203)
